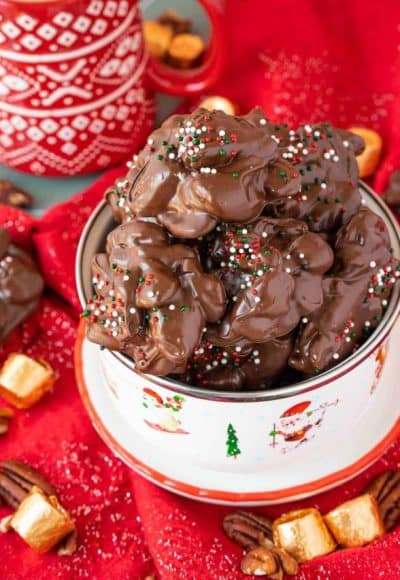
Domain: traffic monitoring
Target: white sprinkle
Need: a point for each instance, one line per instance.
(234, 299)
(301, 255)
(114, 313)
(288, 270)
(172, 307)
(372, 264)
(305, 151)
(264, 235)
(204, 128)
(242, 286)
(335, 158)
(348, 339)
(248, 284)
(323, 185)
(304, 197)
(256, 352)
(150, 141)
(263, 121)
(224, 361)
(244, 231)
(215, 363)
(327, 156)
(335, 355)
(202, 145)
(384, 303)
(221, 133)
(152, 294)
(257, 299)
(288, 257)
(260, 272)
(304, 320)
(232, 250)
(208, 367)
(97, 311)
(238, 348)
(346, 143)
(257, 361)
(115, 332)
(132, 310)
(367, 323)
(213, 171)
(126, 277)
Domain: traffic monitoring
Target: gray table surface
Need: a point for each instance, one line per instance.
(48, 191)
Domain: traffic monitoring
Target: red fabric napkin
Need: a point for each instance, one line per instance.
(334, 60)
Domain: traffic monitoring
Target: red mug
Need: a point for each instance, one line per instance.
(76, 83)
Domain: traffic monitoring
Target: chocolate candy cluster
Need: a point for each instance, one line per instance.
(244, 258)
(21, 285)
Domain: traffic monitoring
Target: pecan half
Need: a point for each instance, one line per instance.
(386, 490)
(68, 545)
(5, 416)
(17, 479)
(10, 194)
(246, 528)
(270, 561)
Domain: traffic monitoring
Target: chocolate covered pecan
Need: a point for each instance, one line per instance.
(247, 528)
(20, 285)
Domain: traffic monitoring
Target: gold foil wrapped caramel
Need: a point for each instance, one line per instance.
(157, 38)
(356, 522)
(24, 380)
(368, 160)
(303, 534)
(219, 104)
(41, 521)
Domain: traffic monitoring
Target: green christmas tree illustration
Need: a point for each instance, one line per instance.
(232, 442)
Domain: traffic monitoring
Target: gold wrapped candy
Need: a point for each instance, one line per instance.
(219, 104)
(356, 522)
(157, 38)
(24, 380)
(303, 534)
(368, 160)
(41, 521)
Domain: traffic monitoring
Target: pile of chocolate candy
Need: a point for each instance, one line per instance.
(244, 258)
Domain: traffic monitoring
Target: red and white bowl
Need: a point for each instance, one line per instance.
(238, 447)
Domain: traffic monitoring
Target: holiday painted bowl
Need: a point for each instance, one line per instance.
(244, 447)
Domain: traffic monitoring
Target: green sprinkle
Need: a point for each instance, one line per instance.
(127, 271)
(327, 201)
(222, 152)
(155, 309)
(309, 168)
(86, 313)
(184, 308)
(141, 280)
(302, 171)
(235, 175)
(308, 217)
(147, 316)
(281, 234)
(337, 199)
(282, 173)
(95, 296)
(160, 157)
(307, 187)
(353, 334)
(305, 266)
(113, 266)
(267, 252)
(266, 268)
(164, 143)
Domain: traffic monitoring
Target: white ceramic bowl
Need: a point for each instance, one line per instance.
(238, 447)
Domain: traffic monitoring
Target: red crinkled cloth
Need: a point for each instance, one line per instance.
(301, 61)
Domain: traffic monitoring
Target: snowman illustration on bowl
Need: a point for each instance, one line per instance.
(162, 415)
(297, 425)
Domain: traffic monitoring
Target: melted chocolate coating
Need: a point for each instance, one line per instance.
(21, 285)
(272, 270)
(152, 298)
(244, 366)
(275, 269)
(355, 295)
(325, 160)
(200, 170)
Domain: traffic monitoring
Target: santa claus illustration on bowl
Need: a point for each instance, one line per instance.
(162, 415)
(298, 424)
